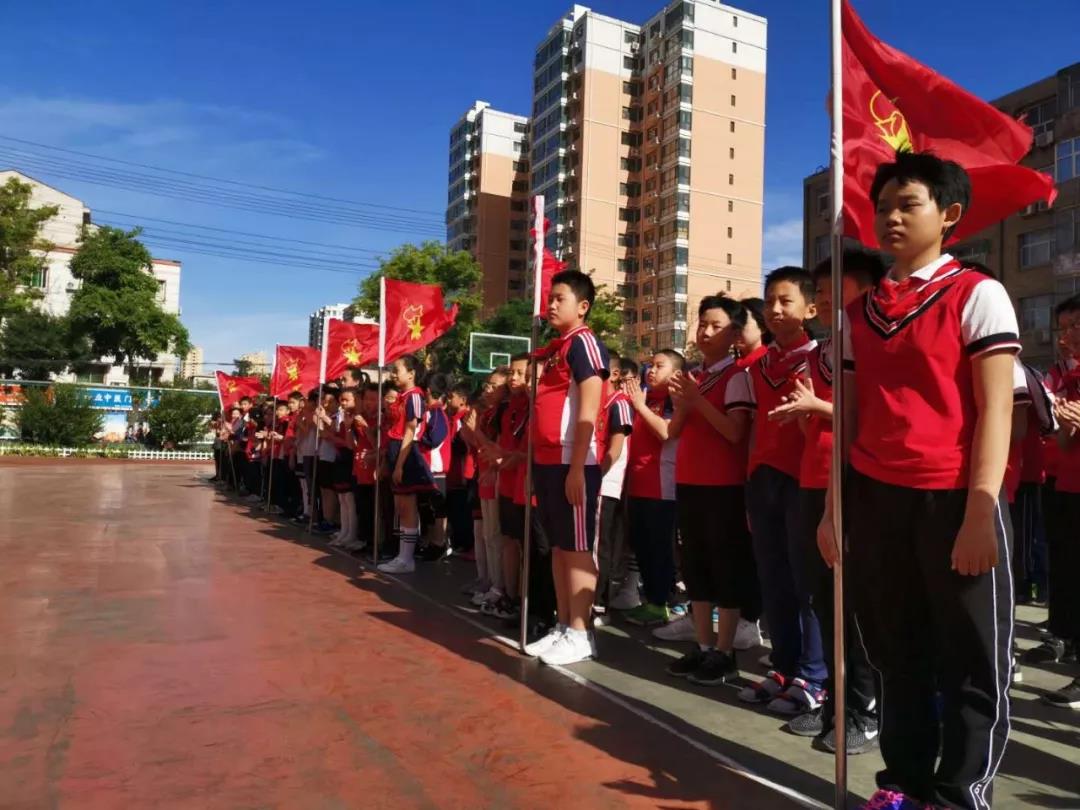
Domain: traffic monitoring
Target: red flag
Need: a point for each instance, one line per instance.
(413, 316)
(548, 268)
(892, 102)
(232, 389)
(296, 368)
(349, 345)
(544, 261)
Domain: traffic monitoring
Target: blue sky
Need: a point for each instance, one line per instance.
(354, 100)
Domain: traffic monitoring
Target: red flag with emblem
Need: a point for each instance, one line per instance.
(231, 389)
(349, 345)
(296, 368)
(892, 102)
(413, 315)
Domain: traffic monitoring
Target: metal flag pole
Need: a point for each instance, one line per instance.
(273, 429)
(378, 425)
(318, 426)
(836, 167)
(526, 543)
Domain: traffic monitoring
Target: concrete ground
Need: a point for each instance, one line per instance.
(166, 647)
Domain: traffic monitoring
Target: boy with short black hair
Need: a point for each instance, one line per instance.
(795, 684)
(566, 472)
(929, 362)
(810, 406)
(1063, 511)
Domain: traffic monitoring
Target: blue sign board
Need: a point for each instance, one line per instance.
(120, 399)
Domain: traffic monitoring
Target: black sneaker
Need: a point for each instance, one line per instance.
(717, 668)
(1066, 698)
(1051, 651)
(862, 736)
(808, 724)
(505, 608)
(688, 663)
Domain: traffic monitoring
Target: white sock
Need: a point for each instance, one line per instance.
(347, 507)
(577, 634)
(409, 539)
(304, 495)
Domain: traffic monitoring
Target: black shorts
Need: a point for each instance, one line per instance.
(717, 555)
(511, 518)
(433, 503)
(341, 472)
(570, 528)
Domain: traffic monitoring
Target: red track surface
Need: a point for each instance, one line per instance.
(163, 648)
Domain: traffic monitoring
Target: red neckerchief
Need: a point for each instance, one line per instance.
(753, 357)
(783, 363)
(898, 299)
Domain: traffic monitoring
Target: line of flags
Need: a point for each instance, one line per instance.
(414, 315)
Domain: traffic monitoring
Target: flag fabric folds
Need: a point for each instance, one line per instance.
(349, 345)
(413, 315)
(296, 368)
(893, 103)
(231, 389)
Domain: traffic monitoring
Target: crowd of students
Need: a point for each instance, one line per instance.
(694, 498)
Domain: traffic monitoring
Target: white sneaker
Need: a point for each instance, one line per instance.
(354, 544)
(337, 541)
(541, 646)
(628, 597)
(398, 566)
(682, 629)
(490, 598)
(747, 635)
(569, 648)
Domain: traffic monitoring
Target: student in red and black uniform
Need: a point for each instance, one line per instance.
(566, 472)
(483, 437)
(435, 443)
(365, 463)
(929, 359)
(618, 424)
(1061, 525)
(796, 683)
(280, 474)
(409, 474)
(811, 405)
(713, 412)
(461, 475)
(1029, 538)
(341, 436)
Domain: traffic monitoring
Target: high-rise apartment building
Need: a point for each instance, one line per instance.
(1035, 253)
(192, 364)
(487, 198)
(317, 320)
(648, 146)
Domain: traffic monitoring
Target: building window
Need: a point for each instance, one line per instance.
(734, 22)
(729, 258)
(628, 63)
(629, 36)
(521, 166)
(731, 126)
(1036, 248)
(517, 244)
(517, 224)
(520, 185)
(517, 205)
(732, 99)
(822, 248)
(730, 231)
(1035, 312)
(161, 290)
(731, 179)
(517, 264)
(734, 47)
(39, 278)
(727, 285)
(824, 203)
(1040, 117)
(646, 314)
(734, 73)
(1067, 163)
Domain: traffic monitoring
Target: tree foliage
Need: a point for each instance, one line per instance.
(60, 416)
(457, 272)
(179, 418)
(22, 250)
(39, 344)
(116, 307)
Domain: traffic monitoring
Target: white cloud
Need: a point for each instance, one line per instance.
(782, 244)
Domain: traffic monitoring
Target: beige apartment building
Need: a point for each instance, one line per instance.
(487, 207)
(648, 145)
(1035, 253)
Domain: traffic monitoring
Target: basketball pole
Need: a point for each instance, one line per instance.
(526, 543)
(378, 429)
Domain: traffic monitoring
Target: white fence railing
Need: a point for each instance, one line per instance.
(140, 454)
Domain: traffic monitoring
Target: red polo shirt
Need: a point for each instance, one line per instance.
(704, 457)
(817, 451)
(772, 377)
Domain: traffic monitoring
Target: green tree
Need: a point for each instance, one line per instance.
(22, 252)
(39, 344)
(243, 367)
(60, 416)
(457, 272)
(116, 307)
(179, 418)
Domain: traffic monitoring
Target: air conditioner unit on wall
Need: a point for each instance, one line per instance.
(1044, 139)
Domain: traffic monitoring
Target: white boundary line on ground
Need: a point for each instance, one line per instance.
(724, 760)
